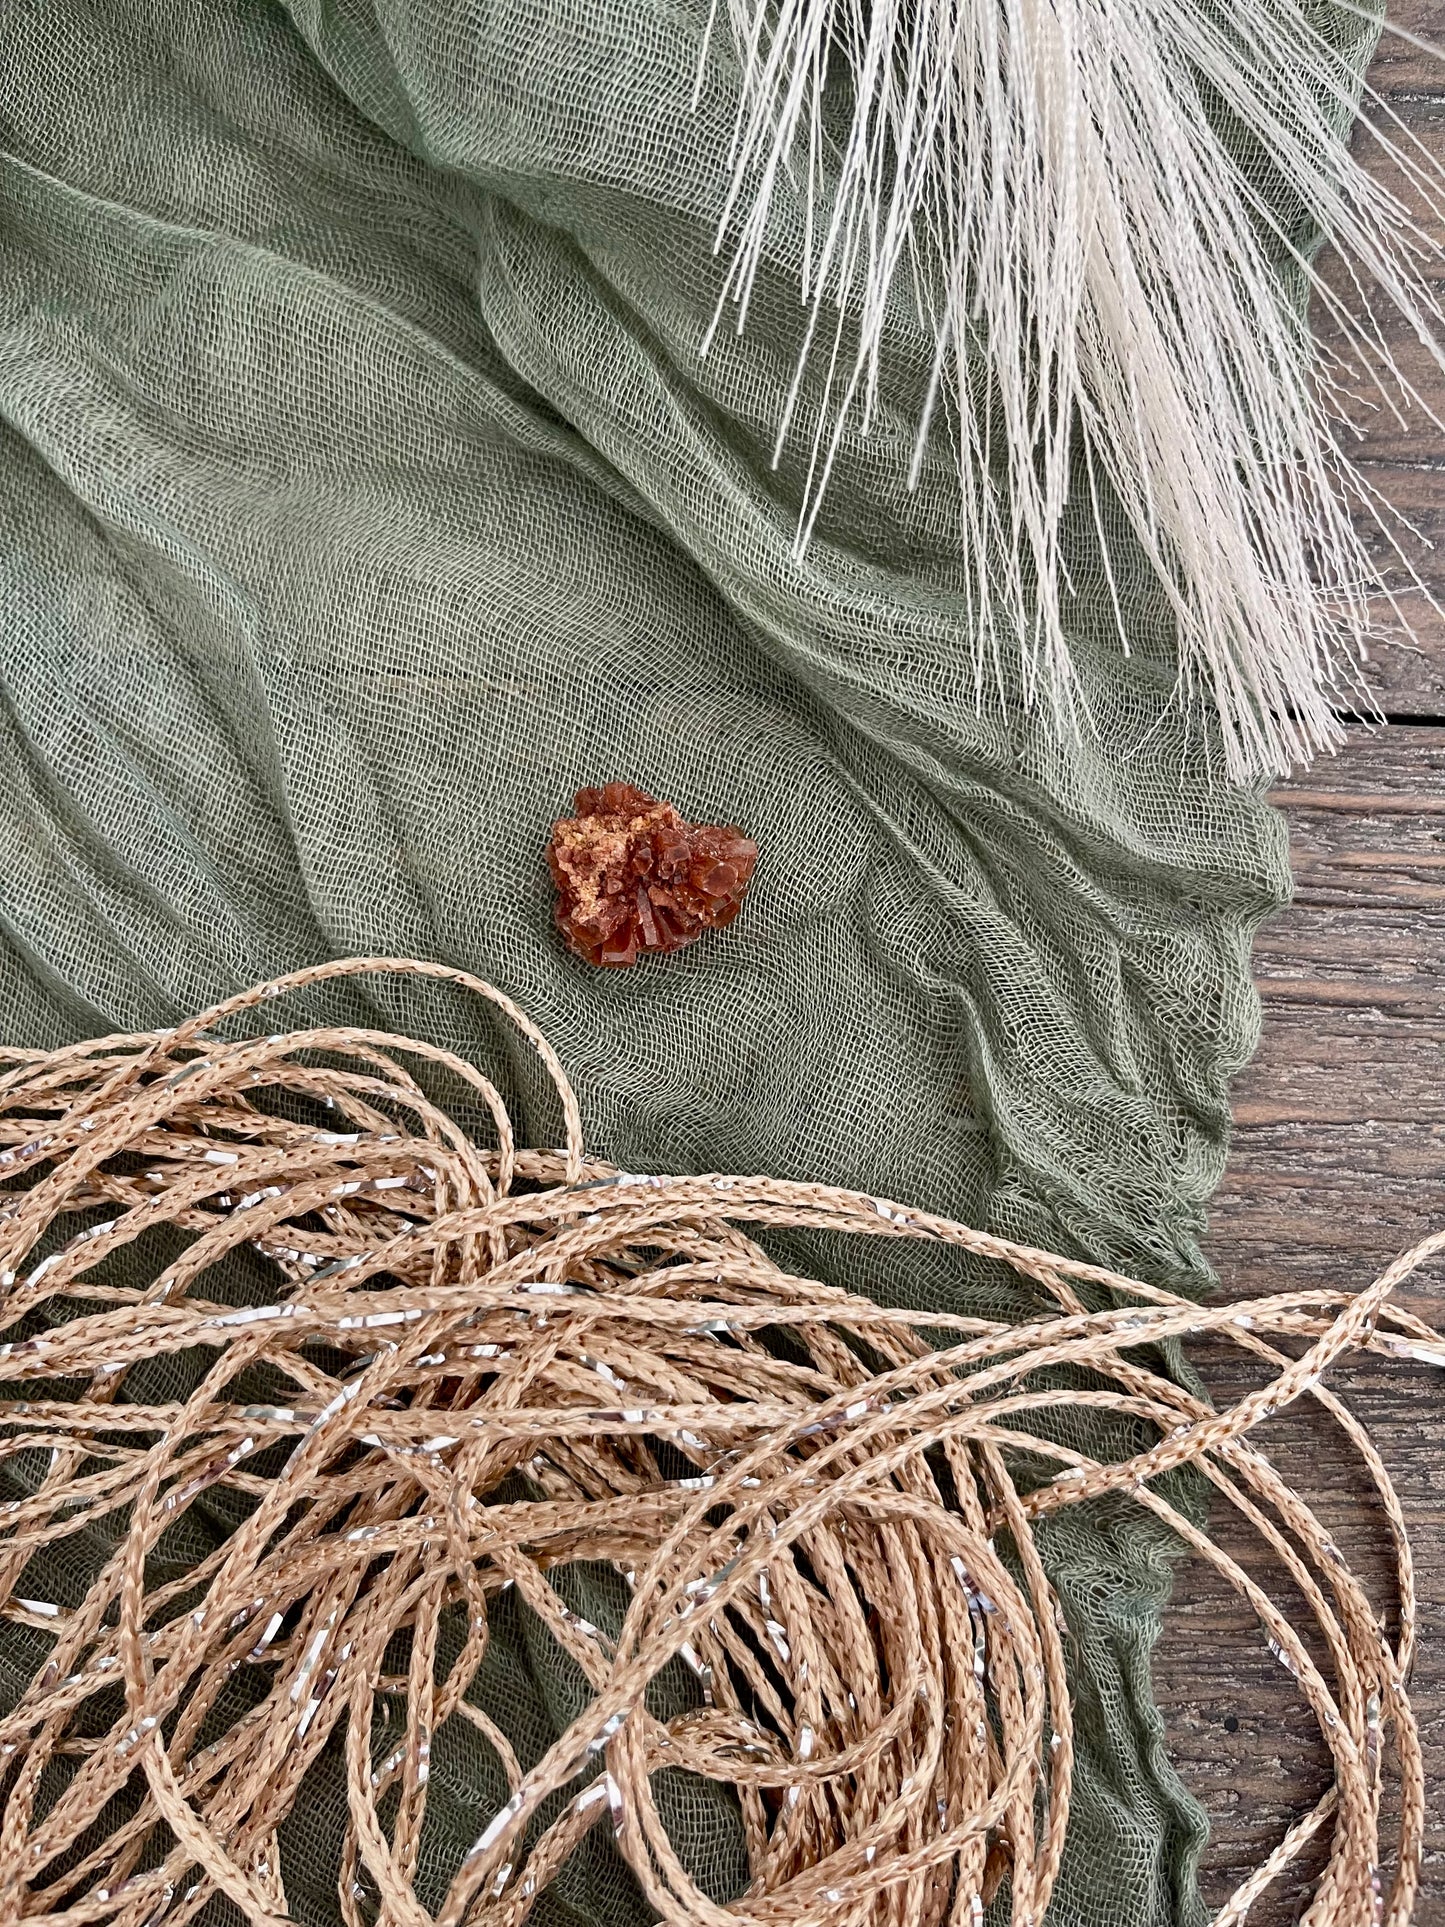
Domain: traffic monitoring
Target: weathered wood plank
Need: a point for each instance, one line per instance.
(1338, 1158)
(1338, 1161)
(1400, 71)
(1404, 458)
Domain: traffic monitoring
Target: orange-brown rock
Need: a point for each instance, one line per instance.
(633, 875)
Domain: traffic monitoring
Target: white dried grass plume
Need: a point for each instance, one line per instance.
(1047, 181)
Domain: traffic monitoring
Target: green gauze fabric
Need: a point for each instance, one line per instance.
(363, 492)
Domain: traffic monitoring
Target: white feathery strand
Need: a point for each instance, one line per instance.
(1095, 268)
(699, 80)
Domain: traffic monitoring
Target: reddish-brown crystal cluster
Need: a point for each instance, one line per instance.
(633, 875)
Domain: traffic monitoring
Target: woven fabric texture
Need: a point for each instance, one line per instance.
(363, 492)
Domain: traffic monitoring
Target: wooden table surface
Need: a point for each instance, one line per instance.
(1338, 1161)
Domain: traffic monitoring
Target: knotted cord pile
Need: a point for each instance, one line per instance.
(481, 1364)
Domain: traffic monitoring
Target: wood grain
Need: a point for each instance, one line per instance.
(1338, 1158)
(1403, 454)
(1338, 1161)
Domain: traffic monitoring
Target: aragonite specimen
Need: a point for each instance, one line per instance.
(633, 875)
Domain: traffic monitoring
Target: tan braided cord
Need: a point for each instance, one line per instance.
(495, 1362)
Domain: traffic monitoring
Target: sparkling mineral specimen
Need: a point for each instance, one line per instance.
(633, 875)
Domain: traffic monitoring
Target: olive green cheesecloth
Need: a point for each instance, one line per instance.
(363, 492)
